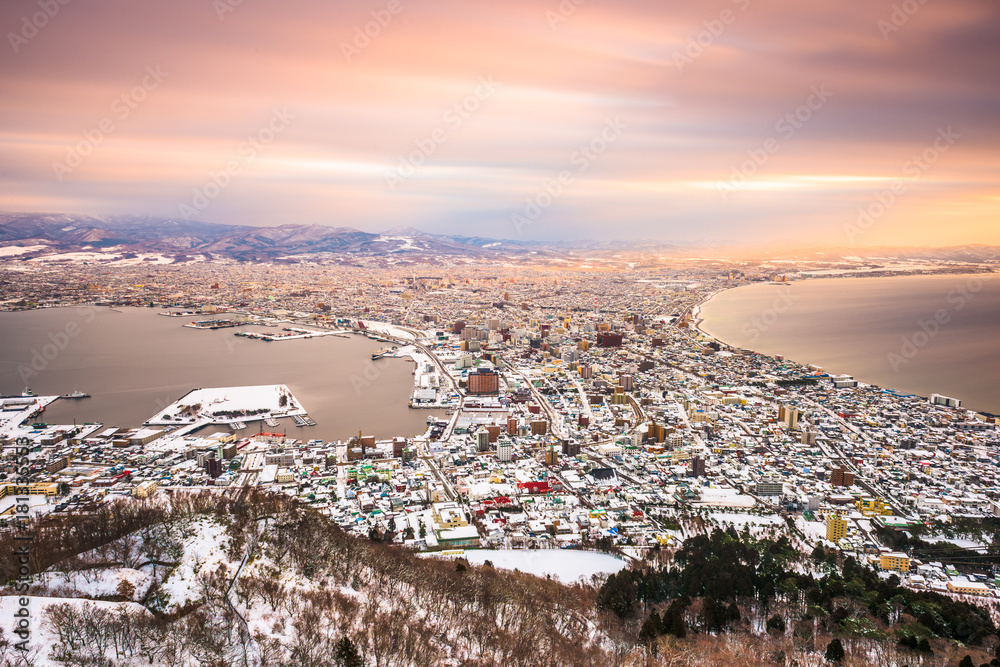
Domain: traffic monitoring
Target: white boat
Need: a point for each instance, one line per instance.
(76, 394)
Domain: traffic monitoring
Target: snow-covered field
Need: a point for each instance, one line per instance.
(97, 583)
(957, 541)
(563, 564)
(12, 250)
(200, 404)
(724, 498)
(203, 552)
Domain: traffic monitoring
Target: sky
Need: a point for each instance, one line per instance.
(856, 123)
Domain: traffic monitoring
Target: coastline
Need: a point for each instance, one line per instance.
(697, 321)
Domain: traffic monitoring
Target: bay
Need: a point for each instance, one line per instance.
(917, 334)
(134, 362)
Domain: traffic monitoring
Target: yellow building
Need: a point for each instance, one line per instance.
(448, 515)
(873, 507)
(145, 490)
(895, 561)
(836, 528)
(967, 587)
(34, 489)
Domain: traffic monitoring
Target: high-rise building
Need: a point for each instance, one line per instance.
(836, 528)
(551, 456)
(505, 449)
(609, 340)
(214, 467)
(398, 445)
(841, 477)
(696, 467)
(484, 382)
(789, 415)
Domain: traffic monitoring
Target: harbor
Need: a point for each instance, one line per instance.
(216, 324)
(287, 333)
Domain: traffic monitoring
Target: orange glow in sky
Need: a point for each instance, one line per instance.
(747, 121)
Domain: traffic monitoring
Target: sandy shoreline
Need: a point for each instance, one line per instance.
(697, 321)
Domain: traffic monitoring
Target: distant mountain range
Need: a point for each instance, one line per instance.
(64, 233)
(57, 233)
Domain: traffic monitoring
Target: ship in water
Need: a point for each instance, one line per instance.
(76, 394)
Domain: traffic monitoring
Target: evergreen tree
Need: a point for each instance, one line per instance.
(835, 650)
(651, 629)
(347, 655)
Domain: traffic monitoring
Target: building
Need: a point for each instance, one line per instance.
(873, 507)
(836, 528)
(505, 449)
(609, 340)
(967, 587)
(214, 467)
(570, 448)
(483, 383)
(789, 416)
(551, 456)
(482, 440)
(938, 399)
(145, 490)
(448, 515)
(282, 459)
(453, 538)
(841, 477)
(539, 427)
(143, 436)
(57, 465)
(771, 485)
(895, 561)
(398, 445)
(697, 467)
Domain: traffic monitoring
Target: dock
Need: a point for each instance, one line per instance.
(303, 420)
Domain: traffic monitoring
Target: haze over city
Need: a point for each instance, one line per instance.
(731, 122)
